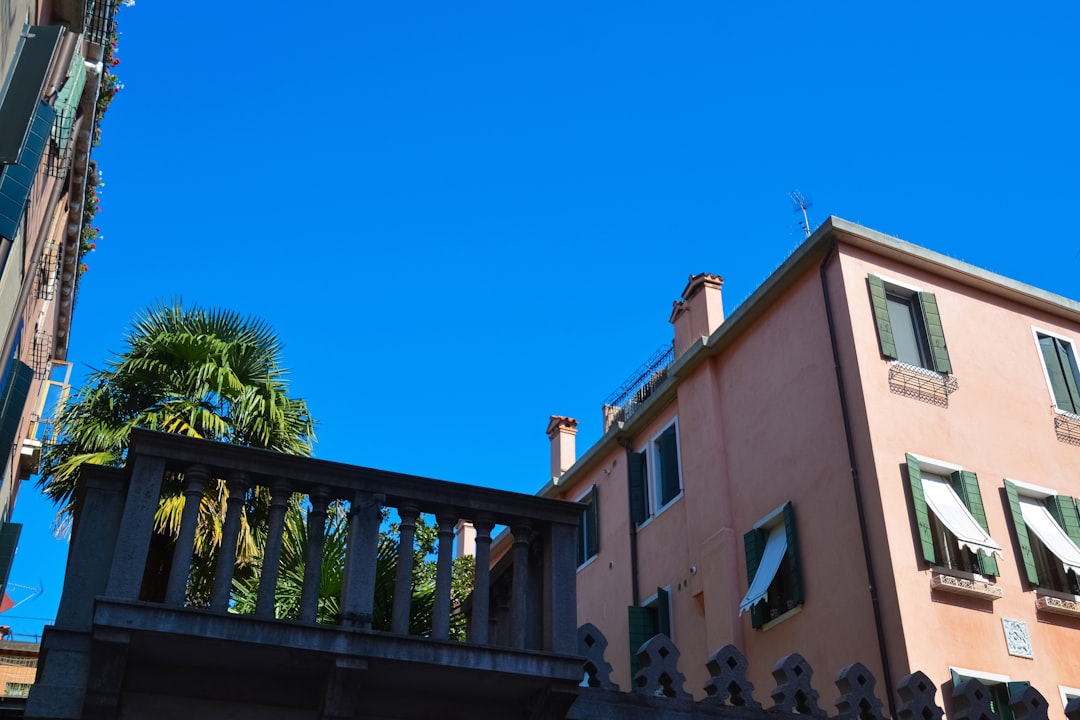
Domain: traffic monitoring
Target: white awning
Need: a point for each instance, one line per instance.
(953, 514)
(1042, 523)
(775, 548)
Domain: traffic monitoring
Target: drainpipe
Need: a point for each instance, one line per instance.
(855, 482)
(634, 599)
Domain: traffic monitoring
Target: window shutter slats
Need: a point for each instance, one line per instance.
(967, 487)
(939, 353)
(881, 317)
(754, 543)
(592, 527)
(1057, 373)
(17, 180)
(797, 594)
(13, 401)
(1068, 371)
(922, 511)
(663, 612)
(639, 511)
(642, 627)
(1022, 540)
(667, 444)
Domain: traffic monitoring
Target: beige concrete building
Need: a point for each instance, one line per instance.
(874, 458)
(54, 64)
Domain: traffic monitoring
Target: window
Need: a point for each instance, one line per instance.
(16, 689)
(909, 325)
(1048, 532)
(949, 513)
(772, 567)
(1002, 689)
(588, 537)
(647, 620)
(1059, 361)
(655, 480)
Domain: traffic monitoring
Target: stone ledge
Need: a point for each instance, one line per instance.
(1057, 605)
(964, 586)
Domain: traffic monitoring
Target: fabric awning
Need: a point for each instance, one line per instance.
(775, 547)
(67, 103)
(1042, 523)
(953, 514)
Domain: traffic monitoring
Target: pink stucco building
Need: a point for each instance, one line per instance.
(874, 458)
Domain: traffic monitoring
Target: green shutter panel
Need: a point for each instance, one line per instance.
(793, 554)
(939, 353)
(13, 402)
(881, 316)
(642, 627)
(9, 540)
(1022, 534)
(1063, 508)
(1068, 370)
(663, 612)
(17, 180)
(638, 499)
(967, 487)
(922, 511)
(592, 527)
(754, 542)
(669, 465)
(1056, 373)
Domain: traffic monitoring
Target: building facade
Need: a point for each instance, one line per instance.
(53, 61)
(873, 458)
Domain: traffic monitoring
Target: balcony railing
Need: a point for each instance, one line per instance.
(529, 607)
(621, 405)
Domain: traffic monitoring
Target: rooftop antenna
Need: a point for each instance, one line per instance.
(803, 204)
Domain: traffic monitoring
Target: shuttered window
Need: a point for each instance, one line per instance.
(909, 326)
(639, 481)
(16, 180)
(1061, 370)
(666, 447)
(773, 570)
(645, 622)
(1048, 533)
(588, 530)
(13, 402)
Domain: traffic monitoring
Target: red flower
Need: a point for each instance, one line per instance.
(93, 246)
(97, 208)
(115, 61)
(85, 267)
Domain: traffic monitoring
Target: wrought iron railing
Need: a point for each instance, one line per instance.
(48, 271)
(99, 20)
(41, 354)
(621, 405)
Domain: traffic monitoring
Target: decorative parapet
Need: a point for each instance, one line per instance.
(1057, 605)
(965, 586)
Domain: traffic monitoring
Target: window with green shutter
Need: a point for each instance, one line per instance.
(1002, 689)
(666, 454)
(588, 530)
(908, 326)
(646, 621)
(638, 472)
(1047, 530)
(773, 570)
(1059, 361)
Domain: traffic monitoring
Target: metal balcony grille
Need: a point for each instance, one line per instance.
(41, 354)
(99, 20)
(621, 405)
(58, 161)
(921, 384)
(1067, 427)
(48, 270)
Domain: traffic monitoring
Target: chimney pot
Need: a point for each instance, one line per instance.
(700, 312)
(561, 431)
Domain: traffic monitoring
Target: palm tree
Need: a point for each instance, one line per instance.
(209, 374)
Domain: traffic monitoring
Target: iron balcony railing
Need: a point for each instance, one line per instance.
(621, 405)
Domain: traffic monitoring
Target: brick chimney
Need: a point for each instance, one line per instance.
(562, 431)
(700, 311)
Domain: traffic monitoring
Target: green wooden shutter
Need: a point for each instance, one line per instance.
(922, 510)
(1069, 371)
(642, 627)
(663, 612)
(25, 85)
(667, 444)
(592, 526)
(967, 487)
(881, 316)
(639, 506)
(793, 554)
(754, 542)
(1022, 539)
(17, 180)
(9, 540)
(939, 353)
(13, 402)
(67, 103)
(1056, 358)
(1063, 508)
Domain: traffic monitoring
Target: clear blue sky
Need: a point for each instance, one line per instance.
(464, 217)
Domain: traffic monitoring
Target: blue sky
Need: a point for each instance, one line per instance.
(462, 218)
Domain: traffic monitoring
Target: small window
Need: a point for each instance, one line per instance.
(1059, 361)
(1048, 532)
(772, 567)
(647, 620)
(588, 538)
(1002, 689)
(909, 326)
(16, 689)
(951, 520)
(655, 479)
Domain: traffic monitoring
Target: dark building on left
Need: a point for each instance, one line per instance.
(55, 58)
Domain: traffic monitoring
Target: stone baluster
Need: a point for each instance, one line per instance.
(358, 586)
(316, 531)
(280, 492)
(195, 480)
(136, 528)
(236, 487)
(440, 613)
(403, 582)
(519, 600)
(478, 625)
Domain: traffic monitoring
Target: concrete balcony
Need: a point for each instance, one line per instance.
(117, 651)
